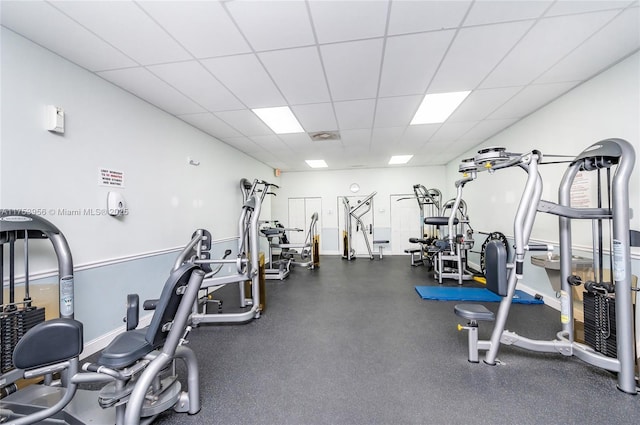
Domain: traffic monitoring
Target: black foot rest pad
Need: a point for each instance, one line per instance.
(380, 242)
(418, 240)
(49, 342)
(125, 349)
(439, 221)
(474, 312)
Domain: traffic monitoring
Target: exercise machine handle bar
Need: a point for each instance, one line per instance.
(362, 203)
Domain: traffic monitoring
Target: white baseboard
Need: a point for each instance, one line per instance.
(101, 342)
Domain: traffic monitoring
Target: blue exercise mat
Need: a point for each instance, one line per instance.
(459, 293)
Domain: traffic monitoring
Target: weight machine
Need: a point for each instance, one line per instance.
(197, 252)
(429, 204)
(136, 370)
(356, 213)
(274, 269)
(614, 156)
(305, 254)
(450, 252)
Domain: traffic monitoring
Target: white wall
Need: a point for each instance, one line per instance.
(607, 106)
(107, 127)
(329, 185)
(58, 173)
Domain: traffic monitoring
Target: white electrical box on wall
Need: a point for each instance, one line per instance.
(54, 119)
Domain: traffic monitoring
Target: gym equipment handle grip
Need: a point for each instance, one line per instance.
(150, 304)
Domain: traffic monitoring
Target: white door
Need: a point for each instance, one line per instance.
(405, 223)
(300, 212)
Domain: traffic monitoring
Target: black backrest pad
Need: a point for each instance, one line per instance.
(168, 304)
(49, 342)
(496, 267)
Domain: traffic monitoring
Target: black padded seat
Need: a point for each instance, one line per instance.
(439, 221)
(125, 349)
(476, 312)
(49, 342)
(272, 231)
(129, 347)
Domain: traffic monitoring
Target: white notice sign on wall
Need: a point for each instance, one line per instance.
(111, 178)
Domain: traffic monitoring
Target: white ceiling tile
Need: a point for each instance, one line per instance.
(619, 38)
(386, 150)
(119, 23)
(202, 27)
(396, 111)
(451, 131)
(548, 42)
(530, 99)
(416, 16)
(316, 117)
(481, 103)
(582, 6)
(245, 76)
(147, 86)
(425, 159)
(418, 135)
(38, 20)
(296, 140)
(355, 114)
(244, 144)
(410, 62)
(474, 53)
(573, 41)
(271, 143)
(493, 11)
(245, 122)
(389, 137)
(486, 128)
(356, 137)
(348, 20)
(211, 124)
(273, 24)
(353, 68)
(192, 79)
(298, 73)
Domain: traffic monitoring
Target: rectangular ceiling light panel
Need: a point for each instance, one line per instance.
(436, 108)
(316, 163)
(400, 159)
(280, 119)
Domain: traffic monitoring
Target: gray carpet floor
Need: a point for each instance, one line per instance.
(353, 343)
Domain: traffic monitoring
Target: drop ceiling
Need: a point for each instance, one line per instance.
(358, 68)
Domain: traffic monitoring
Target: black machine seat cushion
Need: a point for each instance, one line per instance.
(53, 341)
(474, 312)
(125, 349)
(439, 221)
(131, 346)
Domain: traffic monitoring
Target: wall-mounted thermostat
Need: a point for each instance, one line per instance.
(55, 119)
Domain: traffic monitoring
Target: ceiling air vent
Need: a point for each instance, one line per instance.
(321, 136)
